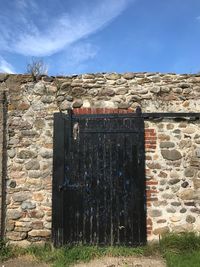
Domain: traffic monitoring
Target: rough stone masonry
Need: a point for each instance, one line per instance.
(172, 147)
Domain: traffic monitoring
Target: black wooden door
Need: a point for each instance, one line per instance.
(98, 183)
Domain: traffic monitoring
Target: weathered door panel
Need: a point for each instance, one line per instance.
(103, 181)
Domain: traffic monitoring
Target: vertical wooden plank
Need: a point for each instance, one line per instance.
(109, 195)
(85, 173)
(80, 175)
(92, 186)
(110, 164)
(126, 167)
(89, 189)
(105, 207)
(121, 191)
(97, 191)
(68, 193)
(101, 190)
(141, 173)
(135, 202)
(117, 184)
(58, 179)
(95, 179)
(114, 173)
(128, 185)
(88, 170)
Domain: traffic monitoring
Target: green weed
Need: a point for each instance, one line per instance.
(5, 251)
(178, 250)
(186, 242)
(181, 250)
(191, 259)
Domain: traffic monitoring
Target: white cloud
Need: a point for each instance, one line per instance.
(21, 4)
(25, 4)
(75, 59)
(81, 53)
(5, 66)
(31, 38)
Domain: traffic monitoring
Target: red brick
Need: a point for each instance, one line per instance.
(150, 138)
(100, 111)
(150, 130)
(149, 221)
(150, 142)
(152, 191)
(76, 110)
(151, 182)
(149, 232)
(152, 199)
(152, 146)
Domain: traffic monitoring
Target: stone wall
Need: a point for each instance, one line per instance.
(172, 148)
(173, 177)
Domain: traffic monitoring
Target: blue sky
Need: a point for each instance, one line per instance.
(84, 36)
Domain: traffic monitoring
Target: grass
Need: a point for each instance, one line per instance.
(69, 255)
(7, 252)
(191, 259)
(178, 250)
(181, 250)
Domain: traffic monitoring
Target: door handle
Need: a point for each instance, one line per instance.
(66, 186)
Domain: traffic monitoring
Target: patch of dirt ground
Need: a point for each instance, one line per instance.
(25, 261)
(124, 262)
(28, 261)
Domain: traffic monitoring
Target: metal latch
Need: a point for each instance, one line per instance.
(76, 131)
(63, 187)
(66, 186)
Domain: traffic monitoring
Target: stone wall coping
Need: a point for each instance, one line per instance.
(24, 75)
